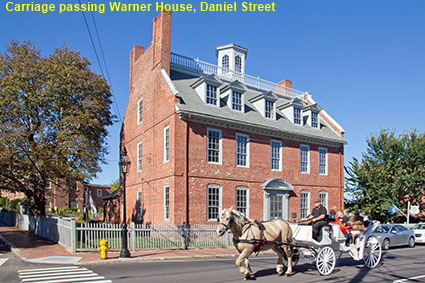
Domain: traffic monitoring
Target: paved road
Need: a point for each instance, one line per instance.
(397, 264)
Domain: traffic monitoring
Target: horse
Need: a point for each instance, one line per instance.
(251, 236)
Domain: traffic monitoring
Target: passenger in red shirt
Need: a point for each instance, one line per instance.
(337, 221)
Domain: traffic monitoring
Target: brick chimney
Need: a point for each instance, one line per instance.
(161, 40)
(287, 86)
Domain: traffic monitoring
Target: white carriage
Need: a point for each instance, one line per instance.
(366, 246)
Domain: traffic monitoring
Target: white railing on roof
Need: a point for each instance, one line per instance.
(199, 67)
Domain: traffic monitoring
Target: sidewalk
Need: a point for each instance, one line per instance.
(32, 248)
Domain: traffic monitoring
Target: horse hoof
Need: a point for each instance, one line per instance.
(288, 274)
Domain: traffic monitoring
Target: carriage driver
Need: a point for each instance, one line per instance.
(317, 218)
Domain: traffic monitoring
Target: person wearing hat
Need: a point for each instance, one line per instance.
(356, 223)
(317, 218)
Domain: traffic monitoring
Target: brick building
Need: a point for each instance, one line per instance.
(203, 137)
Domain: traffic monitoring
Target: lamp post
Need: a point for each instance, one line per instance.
(124, 163)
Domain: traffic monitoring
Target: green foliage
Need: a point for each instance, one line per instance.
(115, 186)
(54, 113)
(2, 201)
(391, 171)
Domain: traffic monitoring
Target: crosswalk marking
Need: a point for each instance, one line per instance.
(61, 275)
(3, 260)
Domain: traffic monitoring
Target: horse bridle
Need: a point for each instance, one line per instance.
(227, 226)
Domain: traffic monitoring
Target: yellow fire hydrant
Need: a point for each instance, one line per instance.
(104, 249)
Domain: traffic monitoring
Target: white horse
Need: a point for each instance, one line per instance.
(250, 236)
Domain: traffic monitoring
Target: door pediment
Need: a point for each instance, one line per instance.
(277, 184)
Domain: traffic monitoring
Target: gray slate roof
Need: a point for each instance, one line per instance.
(191, 103)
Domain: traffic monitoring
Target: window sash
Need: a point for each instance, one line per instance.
(269, 109)
(139, 156)
(304, 158)
(167, 202)
(236, 101)
(275, 155)
(238, 64)
(242, 200)
(323, 161)
(323, 196)
(314, 119)
(213, 146)
(304, 204)
(225, 63)
(242, 150)
(213, 202)
(211, 95)
(166, 144)
(140, 111)
(297, 115)
(139, 205)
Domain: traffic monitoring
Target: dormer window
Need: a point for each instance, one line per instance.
(297, 115)
(314, 119)
(269, 110)
(238, 64)
(236, 100)
(225, 63)
(211, 95)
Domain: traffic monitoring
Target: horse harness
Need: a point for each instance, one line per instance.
(258, 243)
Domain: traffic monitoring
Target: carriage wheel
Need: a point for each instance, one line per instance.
(325, 260)
(372, 252)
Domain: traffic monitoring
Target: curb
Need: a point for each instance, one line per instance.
(13, 248)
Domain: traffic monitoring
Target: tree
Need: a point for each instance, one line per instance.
(115, 186)
(54, 113)
(391, 172)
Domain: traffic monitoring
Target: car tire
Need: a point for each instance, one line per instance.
(411, 242)
(386, 244)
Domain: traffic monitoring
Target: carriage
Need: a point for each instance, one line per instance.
(292, 241)
(332, 244)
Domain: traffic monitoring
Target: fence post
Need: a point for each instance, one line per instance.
(184, 236)
(132, 236)
(73, 236)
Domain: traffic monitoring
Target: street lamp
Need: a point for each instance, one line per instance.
(124, 164)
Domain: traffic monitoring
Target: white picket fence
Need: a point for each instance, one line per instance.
(86, 237)
(145, 236)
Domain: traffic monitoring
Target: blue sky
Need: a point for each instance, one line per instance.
(363, 61)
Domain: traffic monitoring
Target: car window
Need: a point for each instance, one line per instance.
(419, 226)
(382, 229)
(401, 228)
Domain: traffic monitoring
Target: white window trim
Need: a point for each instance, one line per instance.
(220, 150)
(217, 94)
(318, 120)
(99, 192)
(247, 199)
(139, 198)
(165, 141)
(301, 116)
(308, 158)
(165, 203)
(273, 112)
(139, 117)
(308, 203)
(242, 101)
(247, 150)
(139, 156)
(220, 196)
(326, 160)
(280, 155)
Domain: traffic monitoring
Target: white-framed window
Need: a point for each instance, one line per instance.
(275, 155)
(214, 144)
(269, 109)
(166, 144)
(140, 111)
(74, 204)
(139, 205)
(323, 196)
(304, 204)
(297, 115)
(238, 64)
(213, 202)
(314, 119)
(99, 193)
(242, 200)
(242, 150)
(237, 101)
(211, 95)
(225, 63)
(166, 202)
(304, 158)
(139, 156)
(323, 161)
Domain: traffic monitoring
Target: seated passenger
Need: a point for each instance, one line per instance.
(317, 218)
(335, 220)
(357, 225)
